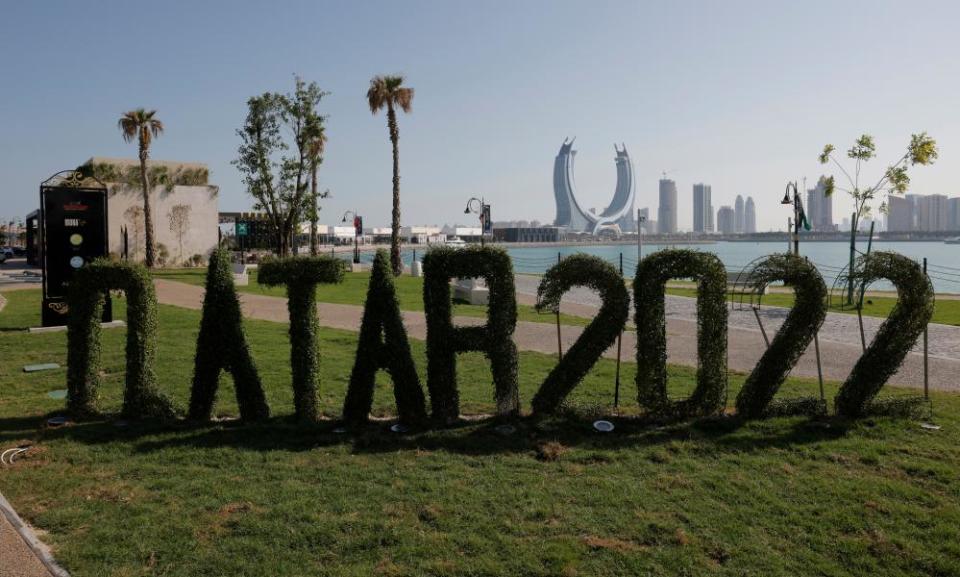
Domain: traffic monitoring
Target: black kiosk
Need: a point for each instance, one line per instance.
(73, 232)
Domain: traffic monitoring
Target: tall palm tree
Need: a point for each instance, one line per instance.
(140, 124)
(315, 148)
(389, 92)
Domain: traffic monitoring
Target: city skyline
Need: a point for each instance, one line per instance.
(494, 96)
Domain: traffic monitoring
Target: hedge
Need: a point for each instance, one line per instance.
(301, 275)
(495, 339)
(895, 337)
(383, 344)
(222, 345)
(141, 398)
(649, 289)
(594, 273)
(793, 338)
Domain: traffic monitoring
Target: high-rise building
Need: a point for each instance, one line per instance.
(726, 220)
(667, 211)
(702, 208)
(820, 207)
(750, 217)
(739, 214)
(617, 216)
(953, 214)
(899, 215)
(648, 226)
(932, 213)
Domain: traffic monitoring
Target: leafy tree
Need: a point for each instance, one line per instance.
(389, 92)
(275, 172)
(179, 218)
(922, 150)
(141, 125)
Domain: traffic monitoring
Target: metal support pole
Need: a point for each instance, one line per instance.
(816, 348)
(559, 341)
(926, 358)
(756, 313)
(616, 389)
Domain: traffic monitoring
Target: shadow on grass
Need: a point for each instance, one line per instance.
(468, 437)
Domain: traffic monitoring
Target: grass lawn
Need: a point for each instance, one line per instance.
(945, 312)
(353, 291)
(786, 496)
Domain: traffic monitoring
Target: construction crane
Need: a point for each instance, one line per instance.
(664, 173)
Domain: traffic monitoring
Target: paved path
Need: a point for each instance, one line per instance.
(746, 344)
(17, 558)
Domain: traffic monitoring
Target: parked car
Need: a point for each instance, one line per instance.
(7, 251)
(19, 252)
(3, 257)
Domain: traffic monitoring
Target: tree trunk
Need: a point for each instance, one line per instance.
(395, 262)
(314, 216)
(147, 210)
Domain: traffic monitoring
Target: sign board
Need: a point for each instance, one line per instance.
(242, 229)
(485, 220)
(73, 232)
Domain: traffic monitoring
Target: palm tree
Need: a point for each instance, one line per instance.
(389, 92)
(315, 150)
(141, 125)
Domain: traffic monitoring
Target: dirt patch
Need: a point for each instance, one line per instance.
(609, 543)
(550, 451)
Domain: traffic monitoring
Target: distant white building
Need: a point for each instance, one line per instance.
(726, 220)
(750, 216)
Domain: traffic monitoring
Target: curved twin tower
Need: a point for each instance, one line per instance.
(616, 218)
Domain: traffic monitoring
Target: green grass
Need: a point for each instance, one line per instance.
(946, 311)
(353, 291)
(786, 496)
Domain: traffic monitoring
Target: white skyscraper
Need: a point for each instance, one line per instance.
(726, 220)
(667, 211)
(739, 215)
(750, 217)
(702, 208)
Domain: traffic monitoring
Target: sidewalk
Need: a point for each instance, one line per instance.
(745, 345)
(20, 551)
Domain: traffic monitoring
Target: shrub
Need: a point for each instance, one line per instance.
(495, 339)
(141, 398)
(594, 273)
(895, 337)
(222, 345)
(793, 338)
(301, 275)
(649, 288)
(391, 351)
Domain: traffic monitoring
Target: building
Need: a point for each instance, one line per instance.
(739, 215)
(527, 234)
(932, 213)
(617, 216)
(820, 207)
(667, 211)
(750, 217)
(183, 203)
(702, 208)
(726, 220)
(953, 215)
(899, 214)
(648, 226)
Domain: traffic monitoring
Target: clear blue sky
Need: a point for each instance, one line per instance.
(740, 95)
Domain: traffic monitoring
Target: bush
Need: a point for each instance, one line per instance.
(793, 338)
(495, 339)
(649, 288)
(391, 351)
(222, 345)
(594, 273)
(141, 398)
(301, 275)
(895, 337)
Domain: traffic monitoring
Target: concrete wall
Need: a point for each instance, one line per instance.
(201, 234)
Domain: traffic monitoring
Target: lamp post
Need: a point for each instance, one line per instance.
(797, 211)
(640, 220)
(357, 230)
(482, 209)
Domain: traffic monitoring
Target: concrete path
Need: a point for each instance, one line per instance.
(839, 352)
(20, 551)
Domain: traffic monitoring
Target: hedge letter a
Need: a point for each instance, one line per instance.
(222, 345)
(383, 344)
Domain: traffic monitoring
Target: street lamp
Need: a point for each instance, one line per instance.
(479, 207)
(797, 213)
(640, 220)
(357, 231)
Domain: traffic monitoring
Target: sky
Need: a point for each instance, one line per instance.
(741, 95)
